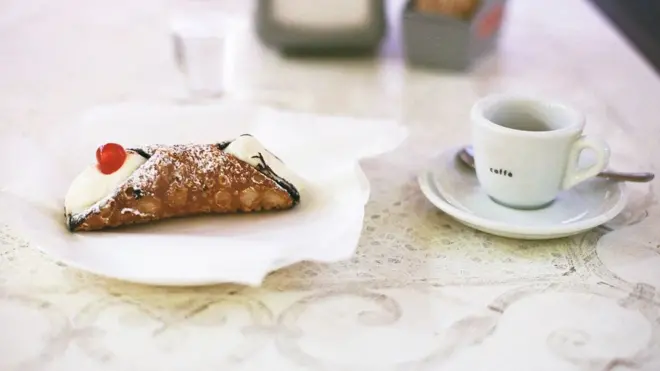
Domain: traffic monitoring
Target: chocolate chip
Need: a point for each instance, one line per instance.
(132, 192)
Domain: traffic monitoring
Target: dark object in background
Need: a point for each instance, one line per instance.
(639, 21)
(321, 27)
(440, 41)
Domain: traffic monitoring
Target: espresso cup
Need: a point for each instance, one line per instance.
(526, 150)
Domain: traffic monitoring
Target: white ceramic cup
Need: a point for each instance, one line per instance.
(526, 150)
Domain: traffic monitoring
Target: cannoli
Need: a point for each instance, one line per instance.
(157, 182)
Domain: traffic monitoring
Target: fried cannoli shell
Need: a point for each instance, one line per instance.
(185, 180)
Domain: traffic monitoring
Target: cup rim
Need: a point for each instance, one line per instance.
(477, 113)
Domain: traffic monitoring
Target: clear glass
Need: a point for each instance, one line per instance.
(202, 62)
(200, 30)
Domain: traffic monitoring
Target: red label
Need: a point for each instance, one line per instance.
(490, 22)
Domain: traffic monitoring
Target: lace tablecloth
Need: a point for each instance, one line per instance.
(423, 292)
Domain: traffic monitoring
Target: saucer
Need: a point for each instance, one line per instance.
(453, 187)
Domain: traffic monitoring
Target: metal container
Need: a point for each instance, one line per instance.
(321, 26)
(443, 42)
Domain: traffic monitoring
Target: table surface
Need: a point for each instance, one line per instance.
(423, 291)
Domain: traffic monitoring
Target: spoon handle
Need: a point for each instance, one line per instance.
(627, 177)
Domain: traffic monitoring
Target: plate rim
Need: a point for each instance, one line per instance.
(433, 194)
(345, 233)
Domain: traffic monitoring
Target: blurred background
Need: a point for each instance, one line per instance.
(638, 20)
(389, 58)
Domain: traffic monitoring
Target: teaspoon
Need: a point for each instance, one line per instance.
(467, 157)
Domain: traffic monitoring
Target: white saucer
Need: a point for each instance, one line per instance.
(453, 188)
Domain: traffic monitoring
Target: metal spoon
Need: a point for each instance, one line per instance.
(467, 156)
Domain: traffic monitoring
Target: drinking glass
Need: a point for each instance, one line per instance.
(200, 30)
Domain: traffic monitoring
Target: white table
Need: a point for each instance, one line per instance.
(423, 292)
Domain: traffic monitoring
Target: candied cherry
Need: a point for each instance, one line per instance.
(110, 157)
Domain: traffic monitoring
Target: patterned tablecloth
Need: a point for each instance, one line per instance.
(423, 292)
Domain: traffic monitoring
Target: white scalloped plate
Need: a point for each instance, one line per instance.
(325, 227)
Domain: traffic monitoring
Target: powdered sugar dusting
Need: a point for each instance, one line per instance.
(191, 164)
(170, 173)
(130, 211)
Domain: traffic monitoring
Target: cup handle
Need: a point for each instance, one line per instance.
(575, 174)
